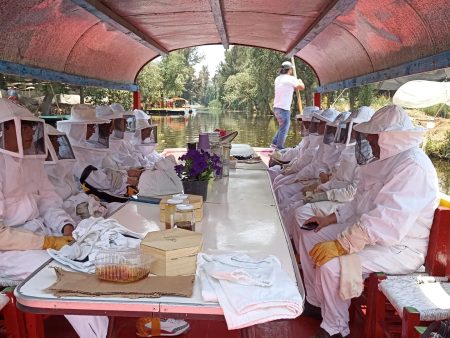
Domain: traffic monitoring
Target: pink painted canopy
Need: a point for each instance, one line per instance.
(340, 39)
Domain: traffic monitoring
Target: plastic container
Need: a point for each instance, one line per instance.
(123, 266)
(184, 217)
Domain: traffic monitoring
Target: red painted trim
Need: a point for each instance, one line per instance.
(317, 99)
(137, 100)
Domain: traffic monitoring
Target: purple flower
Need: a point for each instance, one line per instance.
(198, 165)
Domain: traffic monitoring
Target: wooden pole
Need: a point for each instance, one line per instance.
(299, 99)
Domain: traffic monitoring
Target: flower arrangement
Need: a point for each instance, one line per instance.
(198, 166)
(222, 132)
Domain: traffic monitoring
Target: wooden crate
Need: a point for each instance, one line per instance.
(196, 201)
(175, 251)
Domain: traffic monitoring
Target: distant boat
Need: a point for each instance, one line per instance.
(173, 106)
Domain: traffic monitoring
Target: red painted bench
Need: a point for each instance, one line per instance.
(381, 318)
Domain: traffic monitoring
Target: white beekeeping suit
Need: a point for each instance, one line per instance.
(120, 154)
(323, 160)
(144, 140)
(160, 177)
(387, 224)
(59, 167)
(287, 175)
(92, 151)
(342, 186)
(30, 209)
(299, 152)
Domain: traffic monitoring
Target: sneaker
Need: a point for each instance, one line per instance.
(160, 327)
(276, 156)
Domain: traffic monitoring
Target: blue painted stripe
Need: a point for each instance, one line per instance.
(438, 61)
(11, 68)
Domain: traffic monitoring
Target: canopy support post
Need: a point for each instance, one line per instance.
(137, 100)
(317, 99)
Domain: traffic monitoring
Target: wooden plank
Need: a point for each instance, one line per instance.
(326, 18)
(438, 61)
(11, 68)
(220, 24)
(106, 15)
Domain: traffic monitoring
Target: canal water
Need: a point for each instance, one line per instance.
(256, 130)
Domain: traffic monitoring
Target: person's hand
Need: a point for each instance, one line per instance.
(131, 191)
(56, 242)
(133, 181)
(67, 229)
(322, 221)
(309, 188)
(324, 177)
(287, 170)
(316, 197)
(323, 252)
(134, 172)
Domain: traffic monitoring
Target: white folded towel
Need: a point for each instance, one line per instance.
(249, 291)
(93, 235)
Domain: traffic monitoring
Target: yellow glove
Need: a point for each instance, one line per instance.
(325, 251)
(56, 242)
(132, 190)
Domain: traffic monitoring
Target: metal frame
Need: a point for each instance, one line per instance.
(11, 68)
(438, 61)
(220, 24)
(326, 18)
(106, 15)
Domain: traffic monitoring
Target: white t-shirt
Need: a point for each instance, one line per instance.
(284, 90)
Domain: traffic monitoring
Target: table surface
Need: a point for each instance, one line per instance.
(240, 215)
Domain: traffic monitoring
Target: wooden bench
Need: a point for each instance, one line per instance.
(382, 319)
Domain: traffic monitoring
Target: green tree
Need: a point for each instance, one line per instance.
(240, 91)
(150, 84)
(101, 96)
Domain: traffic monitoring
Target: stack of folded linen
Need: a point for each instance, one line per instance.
(91, 236)
(250, 291)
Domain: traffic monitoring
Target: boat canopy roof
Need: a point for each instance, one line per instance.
(111, 40)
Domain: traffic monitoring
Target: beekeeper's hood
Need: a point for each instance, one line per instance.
(58, 146)
(21, 133)
(396, 132)
(107, 113)
(331, 129)
(328, 115)
(76, 127)
(308, 112)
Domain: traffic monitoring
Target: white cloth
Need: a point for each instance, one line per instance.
(237, 281)
(93, 235)
(161, 180)
(284, 91)
(394, 203)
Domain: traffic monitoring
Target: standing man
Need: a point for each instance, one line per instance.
(285, 84)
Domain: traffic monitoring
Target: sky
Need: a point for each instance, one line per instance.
(214, 54)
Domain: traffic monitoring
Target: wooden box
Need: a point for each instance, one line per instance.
(175, 251)
(196, 201)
